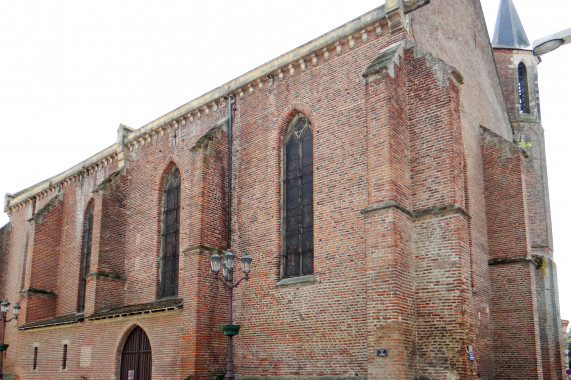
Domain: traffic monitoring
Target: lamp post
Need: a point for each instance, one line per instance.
(3, 347)
(227, 279)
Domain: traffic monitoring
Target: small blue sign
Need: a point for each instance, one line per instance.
(471, 355)
(568, 371)
(382, 352)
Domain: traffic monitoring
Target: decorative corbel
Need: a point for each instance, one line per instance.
(395, 14)
(351, 42)
(313, 59)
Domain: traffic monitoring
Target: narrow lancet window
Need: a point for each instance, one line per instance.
(298, 198)
(170, 234)
(85, 257)
(523, 88)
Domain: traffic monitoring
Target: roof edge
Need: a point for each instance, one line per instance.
(13, 199)
(356, 25)
(269, 67)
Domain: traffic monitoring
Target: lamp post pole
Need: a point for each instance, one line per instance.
(230, 355)
(3, 347)
(228, 280)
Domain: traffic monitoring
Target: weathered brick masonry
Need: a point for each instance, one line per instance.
(431, 234)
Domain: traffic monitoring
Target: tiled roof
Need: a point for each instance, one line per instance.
(144, 308)
(61, 320)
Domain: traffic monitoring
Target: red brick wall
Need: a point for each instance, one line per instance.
(100, 344)
(3, 258)
(527, 128)
(316, 328)
(514, 306)
(44, 262)
(434, 27)
(409, 206)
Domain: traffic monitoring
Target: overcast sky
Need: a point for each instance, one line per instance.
(72, 71)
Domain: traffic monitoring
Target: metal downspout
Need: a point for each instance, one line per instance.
(229, 218)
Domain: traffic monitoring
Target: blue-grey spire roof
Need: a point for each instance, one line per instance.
(509, 31)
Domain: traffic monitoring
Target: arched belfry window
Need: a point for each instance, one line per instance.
(85, 257)
(523, 88)
(298, 198)
(170, 234)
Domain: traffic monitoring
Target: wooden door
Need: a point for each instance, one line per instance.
(136, 360)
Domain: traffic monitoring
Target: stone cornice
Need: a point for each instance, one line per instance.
(386, 205)
(198, 248)
(518, 259)
(45, 292)
(290, 62)
(322, 48)
(443, 209)
(106, 275)
(53, 185)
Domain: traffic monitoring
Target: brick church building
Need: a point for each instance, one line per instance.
(380, 177)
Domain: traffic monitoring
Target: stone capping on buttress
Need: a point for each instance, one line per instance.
(384, 64)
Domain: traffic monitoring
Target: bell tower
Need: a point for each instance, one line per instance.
(517, 66)
(517, 69)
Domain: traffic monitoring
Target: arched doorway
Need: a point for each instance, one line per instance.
(136, 360)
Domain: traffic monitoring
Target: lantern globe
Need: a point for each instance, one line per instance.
(229, 260)
(215, 260)
(224, 270)
(246, 263)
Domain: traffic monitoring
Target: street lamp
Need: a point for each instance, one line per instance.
(227, 266)
(3, 347)
(551, 42)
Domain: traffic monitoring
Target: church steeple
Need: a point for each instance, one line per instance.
(509, 32)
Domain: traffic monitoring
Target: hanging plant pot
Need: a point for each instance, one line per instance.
(3, 347)
(230, 330)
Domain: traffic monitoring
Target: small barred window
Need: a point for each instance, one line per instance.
(35, 362)
(64, 357)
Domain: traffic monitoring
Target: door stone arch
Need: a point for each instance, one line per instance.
(136, 356)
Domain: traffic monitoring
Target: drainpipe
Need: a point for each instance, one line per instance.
(229, 218)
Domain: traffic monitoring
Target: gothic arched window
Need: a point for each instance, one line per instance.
(85, 257)
(170, 234)
(523, 88)
(298, 198)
